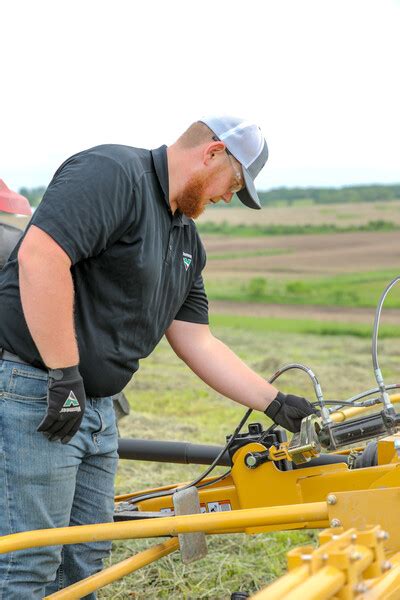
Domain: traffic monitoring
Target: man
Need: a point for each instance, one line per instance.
(110, 263)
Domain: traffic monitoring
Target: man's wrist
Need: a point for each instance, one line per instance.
(64, 373)
(274, 407)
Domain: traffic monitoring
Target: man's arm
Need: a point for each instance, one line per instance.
(218, 366)
(47, 297)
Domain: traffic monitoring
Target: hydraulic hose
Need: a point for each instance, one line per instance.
(377, 371)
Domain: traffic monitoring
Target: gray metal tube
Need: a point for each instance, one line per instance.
(171, 452)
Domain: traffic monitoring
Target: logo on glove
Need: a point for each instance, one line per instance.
(71, 404)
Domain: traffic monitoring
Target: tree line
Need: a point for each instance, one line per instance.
(34, 195)
(317, 195)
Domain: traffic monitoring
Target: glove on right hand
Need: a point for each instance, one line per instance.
(288, 411)
(66, 401)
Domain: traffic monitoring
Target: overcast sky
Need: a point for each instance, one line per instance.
(321, 78)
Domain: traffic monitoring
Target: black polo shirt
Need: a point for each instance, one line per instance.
(135, 266)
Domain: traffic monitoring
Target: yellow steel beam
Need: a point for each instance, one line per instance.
(99, 580)
(324, 584)
(303, 514)
(284, 585)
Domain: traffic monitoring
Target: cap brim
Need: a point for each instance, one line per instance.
(248, 196)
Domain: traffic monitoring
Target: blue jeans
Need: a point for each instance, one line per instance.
(48, 484)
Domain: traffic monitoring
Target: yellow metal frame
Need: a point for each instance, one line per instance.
(268, 499)
(348, 564)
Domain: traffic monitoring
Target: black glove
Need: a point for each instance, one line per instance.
(66, 401)
(288, 411)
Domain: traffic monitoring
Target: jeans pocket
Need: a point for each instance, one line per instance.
(27, 384)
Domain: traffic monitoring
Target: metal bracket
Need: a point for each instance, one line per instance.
(362, 508)
(305, 444)
(193, 546)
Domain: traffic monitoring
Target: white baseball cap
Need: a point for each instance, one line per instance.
(245, 141)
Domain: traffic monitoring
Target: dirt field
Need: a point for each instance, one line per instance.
(341, 215)
(303, 255)
(340, 314)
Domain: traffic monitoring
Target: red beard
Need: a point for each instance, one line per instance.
(189, 201)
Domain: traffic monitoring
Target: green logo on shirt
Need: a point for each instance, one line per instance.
(187, 259)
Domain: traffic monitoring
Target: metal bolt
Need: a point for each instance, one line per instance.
(325, 557)
(397, 446)
(250, 460)
(306, 557)
(335, 523)
(382, 535)
(355, 556)
(331, 499)
(353, 537)
(386, 565)
(360, 587)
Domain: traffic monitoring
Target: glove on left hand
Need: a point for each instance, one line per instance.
(288, 411)
(66, 401)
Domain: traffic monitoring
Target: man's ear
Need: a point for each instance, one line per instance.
(213, 151)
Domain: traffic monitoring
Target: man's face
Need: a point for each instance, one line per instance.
(209, 186)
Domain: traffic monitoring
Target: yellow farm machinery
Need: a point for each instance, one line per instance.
(339, 474)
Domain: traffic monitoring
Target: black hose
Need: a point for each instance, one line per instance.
(171, 452)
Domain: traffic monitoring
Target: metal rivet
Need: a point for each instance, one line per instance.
(360, 588)
(353, 537)
(331, 499)
(306, 557)
(385, 566)
(382, 535)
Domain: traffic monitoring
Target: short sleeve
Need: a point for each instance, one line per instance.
(195, 307)
(87, 206)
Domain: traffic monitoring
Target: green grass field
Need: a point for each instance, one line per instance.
(170, 402)
(350, 289)
(245, 230)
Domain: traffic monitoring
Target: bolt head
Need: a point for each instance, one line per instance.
(355, 556)
(250, 461)
(383, 535)
(331, 499)
(386, 565)
(306, 557)
(335, 523)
